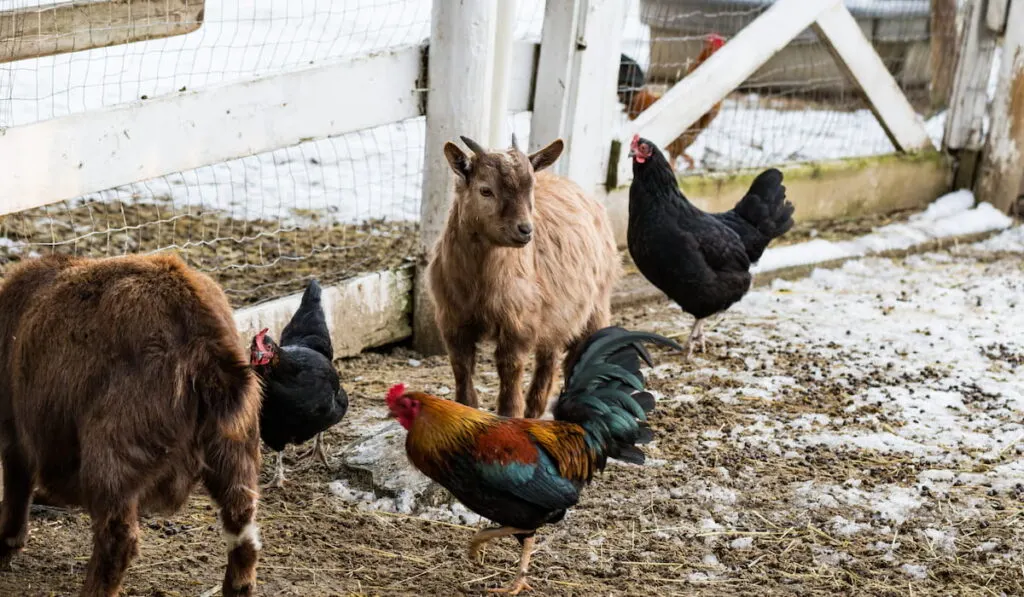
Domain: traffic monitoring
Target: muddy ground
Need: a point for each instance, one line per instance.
(789, 460)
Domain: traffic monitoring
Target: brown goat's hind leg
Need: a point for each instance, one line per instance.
(14, 510)
(510, 356)
(540, 388)
(115, 541)
(232, 477)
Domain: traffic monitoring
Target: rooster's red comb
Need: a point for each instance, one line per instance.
(715, 40)
(396, 392)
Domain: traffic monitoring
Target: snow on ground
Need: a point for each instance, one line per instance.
(370, 174)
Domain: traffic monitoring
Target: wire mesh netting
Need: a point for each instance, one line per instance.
(799, 106)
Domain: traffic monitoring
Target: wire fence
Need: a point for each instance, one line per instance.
(332, 208)
(799, 106)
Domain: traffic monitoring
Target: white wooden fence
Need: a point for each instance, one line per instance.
(477, 73)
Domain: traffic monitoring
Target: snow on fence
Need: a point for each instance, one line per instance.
(270, 142)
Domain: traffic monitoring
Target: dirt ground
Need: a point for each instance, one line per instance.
(778, 468)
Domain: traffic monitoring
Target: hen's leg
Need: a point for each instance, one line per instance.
(277, 481)
(484, 535)
(696, 333)
(317, 450)
(519, 584)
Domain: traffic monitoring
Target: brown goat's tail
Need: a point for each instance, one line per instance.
(229, 392)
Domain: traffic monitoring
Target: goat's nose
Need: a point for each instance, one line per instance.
(526, 228)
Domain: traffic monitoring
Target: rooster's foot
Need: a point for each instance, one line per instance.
(518, 586)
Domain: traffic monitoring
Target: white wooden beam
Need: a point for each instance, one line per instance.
(74, 26)
(363, 312)
(724, 71)
(67, 157)
(503, 53)
(853, 52)
(550, 118)
(1001, 182)
(461, 70)
(968, 104)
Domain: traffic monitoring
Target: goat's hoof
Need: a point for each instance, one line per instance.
(246, 590)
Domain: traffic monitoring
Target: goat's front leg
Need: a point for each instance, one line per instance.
(510, 355)
(14, 510)
(115, 537)
(461, 343)
(543, 378)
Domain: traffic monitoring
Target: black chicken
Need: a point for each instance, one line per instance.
(302, 395)
(700, 260)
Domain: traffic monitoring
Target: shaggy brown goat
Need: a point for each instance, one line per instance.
(123, 381)
(488, 280)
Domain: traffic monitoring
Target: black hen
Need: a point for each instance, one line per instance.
(302, 395)
(700, 260)
(631, 79)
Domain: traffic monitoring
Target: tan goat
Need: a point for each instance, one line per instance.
(526, 259)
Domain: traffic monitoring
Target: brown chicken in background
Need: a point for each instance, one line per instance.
(644, 97)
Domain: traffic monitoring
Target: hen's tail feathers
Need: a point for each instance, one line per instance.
(604, 393)
(765, 207)
(308, 327)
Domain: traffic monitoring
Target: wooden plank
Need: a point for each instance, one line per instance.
(1001, 181)
(995, 15)
(364, 312)
(75, 26)
(74, 155)
(460, 66)
(968, 105)
(840, 32)
(819, 190)
(944, 51)
(550, 118)
(725, 70)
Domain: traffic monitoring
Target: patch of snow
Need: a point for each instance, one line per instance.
(891, 503)
(949, 215)
(846, 528)
(915, 571)
(742, 543)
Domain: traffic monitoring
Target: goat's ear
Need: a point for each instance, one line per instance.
(457, 159)
(543, 158)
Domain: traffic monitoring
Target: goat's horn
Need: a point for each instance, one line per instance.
(473, 146)
(514, 144)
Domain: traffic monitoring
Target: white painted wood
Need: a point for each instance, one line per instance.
(592, 97)
(503, 54)
(524, 60)
(995, 16)
(724, 71)
(364, 312)
(550, 118)
(75, 26)
(461, 69)
(1001, 182)
(968, 104)
(840, 32)
(70, 156)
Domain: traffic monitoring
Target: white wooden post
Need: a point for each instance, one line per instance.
(576, 82)
(503, 41)
(1001, 182)
(995, 18)
(460, 73)
(968, 104)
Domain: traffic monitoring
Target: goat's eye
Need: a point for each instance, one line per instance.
(486, 192)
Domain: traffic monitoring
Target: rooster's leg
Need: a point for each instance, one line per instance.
(519, 584)
(278, 480)
(484, 535)
(317, 450)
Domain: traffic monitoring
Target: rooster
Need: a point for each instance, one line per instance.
(644, 97)
(700, 260)
(302, 395)
(525, 473)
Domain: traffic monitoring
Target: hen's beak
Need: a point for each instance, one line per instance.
(632, 152)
